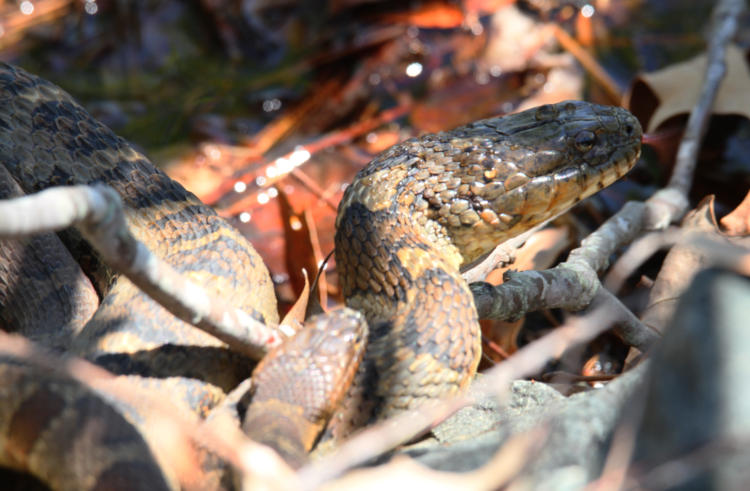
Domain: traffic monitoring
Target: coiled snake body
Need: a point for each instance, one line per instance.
(405, 226)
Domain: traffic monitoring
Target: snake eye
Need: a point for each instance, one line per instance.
(585, 140)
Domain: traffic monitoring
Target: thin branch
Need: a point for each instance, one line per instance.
(97, 212)
(606, 82)
(570, 285)
(725, 25)
(628, 327)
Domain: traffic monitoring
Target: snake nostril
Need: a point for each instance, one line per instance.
(629, 129)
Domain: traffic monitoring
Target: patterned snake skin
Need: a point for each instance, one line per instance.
(405, 226)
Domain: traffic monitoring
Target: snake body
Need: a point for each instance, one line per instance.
(47, 139)
(425, 207)
(405, 226)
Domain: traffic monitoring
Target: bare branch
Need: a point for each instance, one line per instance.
(725, 25)
(98, 213)
(628, 327)
(570, 285)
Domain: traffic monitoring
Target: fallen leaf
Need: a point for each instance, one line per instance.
(737, 222)
(658, 96)
(295, 317)
(299, 248)
(430, 16)
(539, 252)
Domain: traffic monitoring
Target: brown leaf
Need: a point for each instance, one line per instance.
(539, 252)
(299, 250)
(295, 316)
(737, 222)
(430, 16)
(675, 89)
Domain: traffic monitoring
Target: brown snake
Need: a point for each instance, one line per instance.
(408, 222)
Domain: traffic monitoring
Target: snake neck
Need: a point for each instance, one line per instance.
(424, 339)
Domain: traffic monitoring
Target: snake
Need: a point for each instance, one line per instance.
(408, 223)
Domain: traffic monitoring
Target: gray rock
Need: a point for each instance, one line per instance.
(697, 413)
(580, 429)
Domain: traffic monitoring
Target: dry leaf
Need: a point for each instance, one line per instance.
(430, 16)
(295, 317)
(737, 222)
(675, 90)
(539, 252)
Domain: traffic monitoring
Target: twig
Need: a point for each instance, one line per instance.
(97, 212)
(628, 327)
(572, 284)
(725, 25)
(637, 253)
(509, 460)
(683, 468)
(609, 85)
(503, 253)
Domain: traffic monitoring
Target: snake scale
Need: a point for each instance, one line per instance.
(405, 226)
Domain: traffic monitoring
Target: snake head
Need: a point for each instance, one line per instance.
(553, 137)
(519, 170)
(473, 187)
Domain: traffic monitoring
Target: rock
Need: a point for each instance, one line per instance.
(580, 429)
(698, 396)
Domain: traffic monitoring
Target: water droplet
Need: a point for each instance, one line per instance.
(299, 156)
(212, 152)
(26, 7)
(240, 187)
(284, 165)
(588, 10)
(271, 105)
(295, 223)
(91, 7)
(414, 69)
(245, 217)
